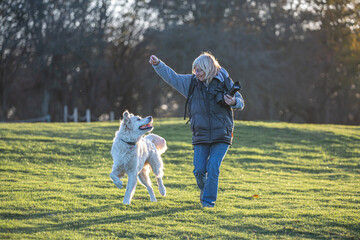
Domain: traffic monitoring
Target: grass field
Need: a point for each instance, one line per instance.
(54, 184)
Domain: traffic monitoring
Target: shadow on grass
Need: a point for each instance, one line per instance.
(331, 147)
(144, 213)
(293, 229)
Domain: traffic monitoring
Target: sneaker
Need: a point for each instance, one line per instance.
(206, 205)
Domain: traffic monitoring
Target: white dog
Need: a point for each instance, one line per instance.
(133, 154)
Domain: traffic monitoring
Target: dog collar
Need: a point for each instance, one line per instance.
(130, 143)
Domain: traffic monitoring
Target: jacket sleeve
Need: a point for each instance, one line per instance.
(239, 102)
(180, 82)
(238, 97)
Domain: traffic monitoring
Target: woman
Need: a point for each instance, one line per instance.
(211, 117)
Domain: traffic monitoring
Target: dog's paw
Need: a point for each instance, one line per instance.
(153, 200)
(116, 180)
(119, 184)
(127, 202)
(162, 190)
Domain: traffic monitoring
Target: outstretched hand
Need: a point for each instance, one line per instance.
(154, 60)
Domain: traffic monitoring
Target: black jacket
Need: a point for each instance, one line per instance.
(211, 122)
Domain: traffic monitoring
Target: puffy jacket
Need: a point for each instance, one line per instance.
(210, 122)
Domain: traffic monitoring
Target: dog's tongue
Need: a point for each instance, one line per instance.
(147, 125)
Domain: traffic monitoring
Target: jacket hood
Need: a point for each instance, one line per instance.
(221, 75)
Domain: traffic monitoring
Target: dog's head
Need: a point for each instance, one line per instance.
(135, 125)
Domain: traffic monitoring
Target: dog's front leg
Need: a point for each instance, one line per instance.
(145, 179)
(156, 164)
(130, 187)
(115, 177)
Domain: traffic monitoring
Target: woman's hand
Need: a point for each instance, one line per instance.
(154, 60)
(229, 100)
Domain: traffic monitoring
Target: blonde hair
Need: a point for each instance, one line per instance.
(208, 63)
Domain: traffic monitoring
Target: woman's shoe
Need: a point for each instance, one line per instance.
(206, 205)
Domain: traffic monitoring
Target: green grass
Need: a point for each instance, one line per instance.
(54, 184)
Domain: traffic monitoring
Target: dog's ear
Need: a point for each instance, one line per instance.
(126, 114)
(126, 117)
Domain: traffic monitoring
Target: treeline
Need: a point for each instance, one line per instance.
(298, 61)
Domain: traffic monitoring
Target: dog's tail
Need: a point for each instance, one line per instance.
(159, 142)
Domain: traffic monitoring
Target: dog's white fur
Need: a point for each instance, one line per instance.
(134, 154)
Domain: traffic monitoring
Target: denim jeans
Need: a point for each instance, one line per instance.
(207, 161)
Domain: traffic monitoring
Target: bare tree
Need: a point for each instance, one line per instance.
(60, 51)
(295, 64)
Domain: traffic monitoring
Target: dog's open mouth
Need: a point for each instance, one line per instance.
(145, 127)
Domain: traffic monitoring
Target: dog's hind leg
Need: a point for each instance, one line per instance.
(115, 176)
(145, 180)
(157, 166)
(130, 187)
(162, 188)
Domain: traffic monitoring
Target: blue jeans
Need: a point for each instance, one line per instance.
(207, 161)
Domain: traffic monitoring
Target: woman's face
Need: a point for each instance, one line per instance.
(200, 74)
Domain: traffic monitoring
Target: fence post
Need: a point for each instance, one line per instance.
(112, 116)
(88, 115)
(75, 115)
(65, 113)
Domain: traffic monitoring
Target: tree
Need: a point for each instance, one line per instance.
(325, 65)
(297, 61)
(57, 45)
(247, 37)
(11, 50)
(291, 70)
